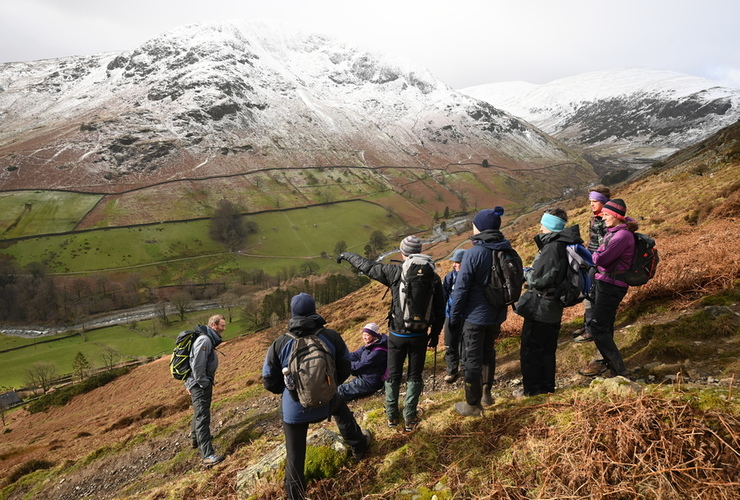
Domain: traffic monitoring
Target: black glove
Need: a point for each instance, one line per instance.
(433, 340)
(340, 258)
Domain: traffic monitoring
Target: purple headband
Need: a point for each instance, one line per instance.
(595, 195)
(371, 332)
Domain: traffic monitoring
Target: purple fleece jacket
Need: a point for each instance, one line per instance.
(615, 254)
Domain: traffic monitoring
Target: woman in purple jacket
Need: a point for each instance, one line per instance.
(369, 365)
(613, 257)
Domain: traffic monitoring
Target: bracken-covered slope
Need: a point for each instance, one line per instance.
(222, 98)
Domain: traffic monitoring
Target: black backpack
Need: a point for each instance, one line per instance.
(644, 263)
(416, 291)
(313, 369)
(506, 280)
(180, 361)
(577, 284)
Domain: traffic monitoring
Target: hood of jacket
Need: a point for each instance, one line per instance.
(492, 239)
(305, 325)
(570, 236)
(207, 330)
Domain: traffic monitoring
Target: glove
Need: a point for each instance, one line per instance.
(340, 258)
(433, 341)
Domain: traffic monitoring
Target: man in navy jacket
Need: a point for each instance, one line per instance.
(481, 321)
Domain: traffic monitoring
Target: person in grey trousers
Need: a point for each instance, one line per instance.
(199, 384)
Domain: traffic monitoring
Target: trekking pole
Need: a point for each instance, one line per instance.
(434, 369)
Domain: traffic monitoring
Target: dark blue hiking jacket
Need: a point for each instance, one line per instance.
(278, 357)
(469, 302)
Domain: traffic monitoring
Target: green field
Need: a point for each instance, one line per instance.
(26, 213)
(292, 235)
(131, 344)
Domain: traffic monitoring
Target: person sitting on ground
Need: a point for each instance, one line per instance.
(369, 365)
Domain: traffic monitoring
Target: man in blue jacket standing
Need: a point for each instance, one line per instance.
(296, 417)
(481, 321)
(199, 384)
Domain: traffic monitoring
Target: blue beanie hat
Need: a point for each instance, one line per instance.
(488, 218)
(302, 305)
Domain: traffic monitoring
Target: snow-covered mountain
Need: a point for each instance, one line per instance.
(623, 117)
(224, 97)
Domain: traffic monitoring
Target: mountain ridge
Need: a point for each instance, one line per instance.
(620, 118)
(233, 96)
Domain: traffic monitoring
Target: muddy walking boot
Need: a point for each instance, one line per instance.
(487, 379)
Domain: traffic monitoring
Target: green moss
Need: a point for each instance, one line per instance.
(724, 298)
(322, 462)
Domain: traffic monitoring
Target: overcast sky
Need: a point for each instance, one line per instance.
(462, 42)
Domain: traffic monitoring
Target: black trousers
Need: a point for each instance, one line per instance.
(608, 298)
(453, 345)
(201, 399)
(399, 348)
(537, 356)
(295, 445)
(478, 350)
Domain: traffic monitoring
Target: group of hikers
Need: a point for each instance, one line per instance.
(460, 305)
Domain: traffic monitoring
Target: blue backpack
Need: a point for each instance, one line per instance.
(578, 283)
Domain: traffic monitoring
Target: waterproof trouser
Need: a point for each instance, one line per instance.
(295, 445)
(537, 356)
(608, 298)
(478, 351)
(399, 348)
(201, 399)
(453, 344)
(356, 388)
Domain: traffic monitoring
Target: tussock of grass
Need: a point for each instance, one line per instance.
(574, 445)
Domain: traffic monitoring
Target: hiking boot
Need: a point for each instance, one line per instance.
(586, 337)
(451, 377)
(466, 410)
(194, 445)
(392, 422)
(412, 424)
(359, 454)
(578, 332)
(212, 460)
(593, 369)
(486, 399)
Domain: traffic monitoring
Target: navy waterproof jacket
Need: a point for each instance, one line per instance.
(370, 362)
(278, 357)
(469, 302)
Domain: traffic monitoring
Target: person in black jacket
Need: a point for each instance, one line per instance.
(402, 342)
(539, 304)
(480, 321)
(296, 417)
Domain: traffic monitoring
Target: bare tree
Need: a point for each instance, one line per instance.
(41, 374)
(229, 301)
(161, 310)
(181, 301)
(109, 356)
